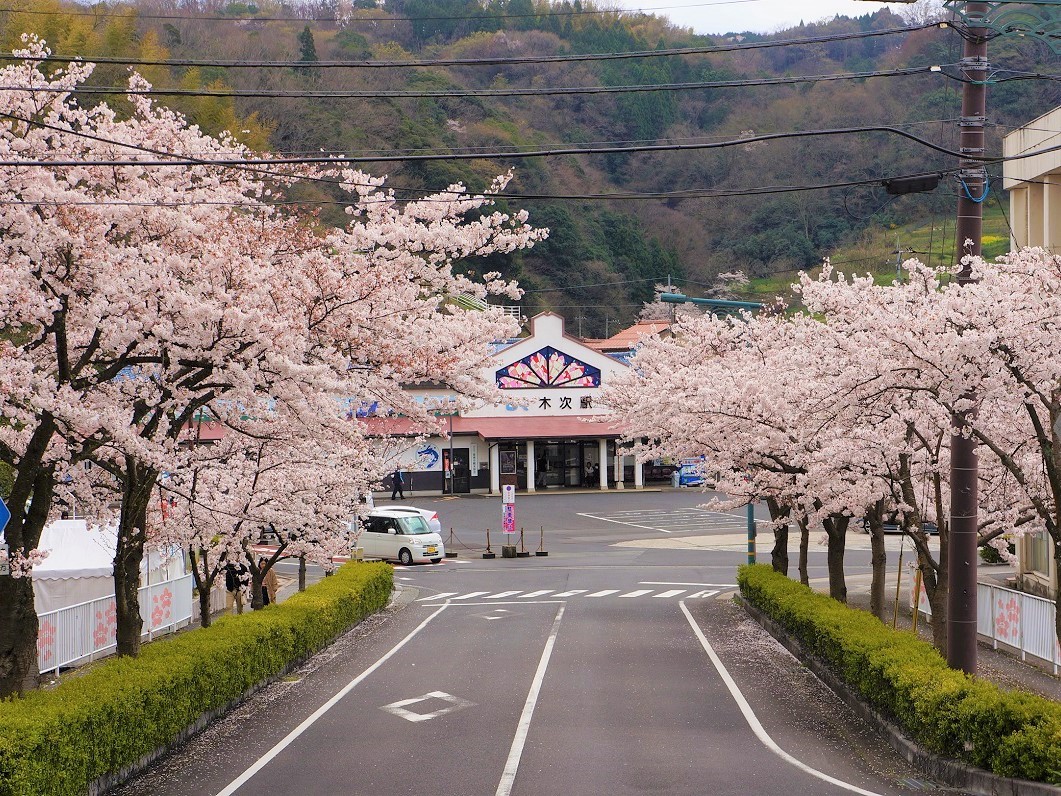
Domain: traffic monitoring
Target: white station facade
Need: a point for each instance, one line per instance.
(553, 434)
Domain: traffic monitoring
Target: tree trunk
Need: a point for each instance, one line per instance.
(257, 577)
(878, 559)
(804, 551)
(302, 573)
(29, 501)
(132, 535)
(18, 637)
(836, 531)
(203, 583)
(779, 554)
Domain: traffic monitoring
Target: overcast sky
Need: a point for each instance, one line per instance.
(761, 16)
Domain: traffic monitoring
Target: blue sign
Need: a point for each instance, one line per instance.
(5, 514)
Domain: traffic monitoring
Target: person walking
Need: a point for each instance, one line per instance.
(397, 485)
(270, 583)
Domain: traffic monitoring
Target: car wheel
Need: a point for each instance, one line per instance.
(435, 560)
(405, 556)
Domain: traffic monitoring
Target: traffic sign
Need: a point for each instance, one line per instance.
(5, 514)
(508, 518)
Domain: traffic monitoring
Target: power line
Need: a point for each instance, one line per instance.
(345, 20)
(501, 92)
(343, 160)
(512, 60)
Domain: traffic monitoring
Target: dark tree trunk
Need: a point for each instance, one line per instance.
(878, 558)
(804, 552)
(302, 573)
(18, 637)
(836, 531)
(132, 535)
(257, 603)
(29, 501)
(204, 582)
(779, 554)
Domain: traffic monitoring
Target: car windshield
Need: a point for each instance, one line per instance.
(413, 525)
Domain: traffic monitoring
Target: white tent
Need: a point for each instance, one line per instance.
(80, 565)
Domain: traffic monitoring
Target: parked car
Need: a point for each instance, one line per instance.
(400, 535)
(891, 524)
(431, 517)
(686, 475)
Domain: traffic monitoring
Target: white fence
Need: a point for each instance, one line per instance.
(1019, 621)
(86, 631)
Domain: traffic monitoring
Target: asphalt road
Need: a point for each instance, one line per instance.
(616, 665)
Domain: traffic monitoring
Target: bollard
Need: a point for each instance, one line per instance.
(523, 551)
(541, 551)
(489, 553)
(450, 552)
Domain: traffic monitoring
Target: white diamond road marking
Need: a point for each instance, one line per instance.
(398, 708)
(501, 594)
(637, 593)
(439, 596)
(671, 593)
(469, 595)
(603, 593)
(571, 593)
(538, 593)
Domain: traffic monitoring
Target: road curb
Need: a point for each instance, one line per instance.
(950, 772)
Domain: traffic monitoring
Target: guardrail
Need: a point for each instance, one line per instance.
(86, 631)
(1021, 622)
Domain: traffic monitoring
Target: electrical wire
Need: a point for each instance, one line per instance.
(345, 20)
(499, 61)
(501, 92)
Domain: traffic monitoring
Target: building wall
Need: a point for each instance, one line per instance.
(1034, 183)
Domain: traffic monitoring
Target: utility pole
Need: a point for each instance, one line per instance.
(972, 186)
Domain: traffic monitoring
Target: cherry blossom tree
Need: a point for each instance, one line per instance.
(134, 296)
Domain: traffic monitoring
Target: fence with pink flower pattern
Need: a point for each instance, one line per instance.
(1022, 622)
(83, 632)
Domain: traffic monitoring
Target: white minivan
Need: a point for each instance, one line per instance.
(395, 535)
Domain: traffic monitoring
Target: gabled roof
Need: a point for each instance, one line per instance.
(631, 336)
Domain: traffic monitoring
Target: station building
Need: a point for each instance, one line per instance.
(553, 434)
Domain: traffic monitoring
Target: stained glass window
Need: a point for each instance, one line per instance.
(547, 368)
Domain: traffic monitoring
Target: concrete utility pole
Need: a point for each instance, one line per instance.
(972, 187)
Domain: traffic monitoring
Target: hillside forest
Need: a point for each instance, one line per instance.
(364, 79)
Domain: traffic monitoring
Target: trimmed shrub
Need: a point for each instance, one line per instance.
(122, 709)
(1011, 733)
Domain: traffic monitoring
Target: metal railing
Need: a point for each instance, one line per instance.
(83, 632)
(1021, 622)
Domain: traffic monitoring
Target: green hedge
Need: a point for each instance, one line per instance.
(58, 741)
(1011, 733)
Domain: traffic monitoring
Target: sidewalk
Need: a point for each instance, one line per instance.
(998, 667)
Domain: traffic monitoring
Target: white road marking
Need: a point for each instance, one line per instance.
(398, 708)
(501, 594)
(705, 593)
(508, 777)
(538, 593)
(637, 593)
(603, 593)
(682, 583)
(671, 593)
(439, 596)
(288, 739)
(621, 522)
(469, 595)
(753, 721)
(571, 593)
(527, 602)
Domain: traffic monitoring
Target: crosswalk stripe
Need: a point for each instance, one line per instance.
(637, 593)
(603, 593)
(571, 593)
(501, 594)
(538, 593)
(670, 593)
(711, 593)
(469, 595)
(441, 596)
